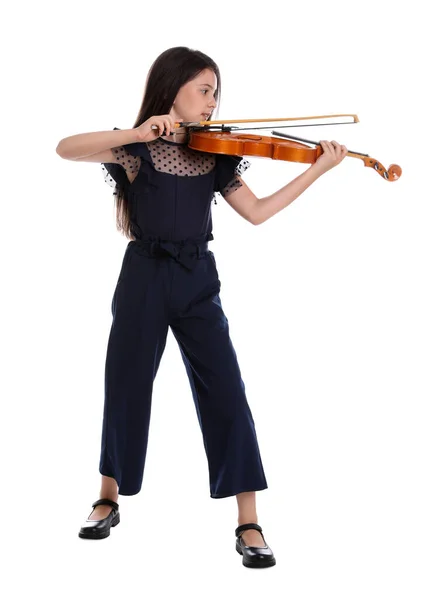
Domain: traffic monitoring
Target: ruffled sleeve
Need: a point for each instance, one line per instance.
(228, 169)
(128, 160)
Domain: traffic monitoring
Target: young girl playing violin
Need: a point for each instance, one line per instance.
(169, 278)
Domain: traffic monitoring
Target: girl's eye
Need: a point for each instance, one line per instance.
(204, 90)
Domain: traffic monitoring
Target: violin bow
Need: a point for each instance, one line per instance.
(393, 173)
(203, 123)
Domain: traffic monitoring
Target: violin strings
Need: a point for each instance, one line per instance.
(290, 137)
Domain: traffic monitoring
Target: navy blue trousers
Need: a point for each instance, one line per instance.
(164, 285)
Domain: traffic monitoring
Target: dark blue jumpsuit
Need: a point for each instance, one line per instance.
(169, 278)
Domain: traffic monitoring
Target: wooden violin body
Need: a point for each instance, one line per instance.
(253, 145)
(236, 144)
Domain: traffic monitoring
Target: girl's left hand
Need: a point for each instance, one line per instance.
(333, 154)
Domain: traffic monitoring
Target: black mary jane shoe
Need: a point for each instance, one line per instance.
(96, 530)
(253, 556)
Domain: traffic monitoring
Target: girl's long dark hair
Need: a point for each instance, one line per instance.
(169, 72)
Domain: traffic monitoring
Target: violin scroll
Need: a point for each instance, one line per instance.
(393, 173)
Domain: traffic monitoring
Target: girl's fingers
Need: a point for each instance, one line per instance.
(337, 149)
(324, 145)
(331, 149)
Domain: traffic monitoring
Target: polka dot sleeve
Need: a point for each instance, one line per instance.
(228, 171)
(124, 170)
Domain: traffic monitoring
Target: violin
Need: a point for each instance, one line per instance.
(276, 148)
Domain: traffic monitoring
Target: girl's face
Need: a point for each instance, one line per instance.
(195, 99)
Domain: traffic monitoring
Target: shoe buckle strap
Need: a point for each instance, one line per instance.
(241, 528)
(106, 501)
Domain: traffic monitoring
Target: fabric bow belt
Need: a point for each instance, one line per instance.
(186, 253)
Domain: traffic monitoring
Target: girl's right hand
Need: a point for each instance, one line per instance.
(164, 123)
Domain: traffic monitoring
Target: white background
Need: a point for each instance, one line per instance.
(332, 307)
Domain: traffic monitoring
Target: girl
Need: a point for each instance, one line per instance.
(169, 278)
